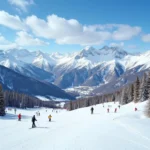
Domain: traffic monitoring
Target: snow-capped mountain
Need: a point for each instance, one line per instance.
(14, 81)
(15, 60)
(37, 58)
(88, 67)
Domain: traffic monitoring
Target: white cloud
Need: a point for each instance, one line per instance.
(72, 32)
(125, 32)
(146, 38)
(65, 31)
(25, 39)
(121, 44)
(21, 4)
(3, 40)
(13, 22)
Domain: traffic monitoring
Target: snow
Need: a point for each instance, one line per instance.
(78, 129)
(82, 90)
(42, 98)
(51, 98)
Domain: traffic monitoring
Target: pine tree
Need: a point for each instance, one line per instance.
(2, 104)
(137, 90)
(144, 89)
(148, 87)
(71, 106)
(124, 97)
(130, 93)
(147, 111)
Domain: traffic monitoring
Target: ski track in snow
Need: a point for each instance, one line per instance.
(78, 130)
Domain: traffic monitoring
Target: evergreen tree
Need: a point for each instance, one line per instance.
(124, 97)
(2, 104)
(71, 106)
(137, 90)
(131, 93)
(147, 112)
(144, 89)
(147, 93)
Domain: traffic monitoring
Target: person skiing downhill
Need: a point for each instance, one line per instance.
(19, 117)
(107, 110)
(92, 109)
(33, 121)
(49, 117)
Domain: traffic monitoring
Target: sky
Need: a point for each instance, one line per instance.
(70, 25)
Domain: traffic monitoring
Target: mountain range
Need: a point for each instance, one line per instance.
(105, 69)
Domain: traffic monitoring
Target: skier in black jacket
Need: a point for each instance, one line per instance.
(92, 109)
(33, 121)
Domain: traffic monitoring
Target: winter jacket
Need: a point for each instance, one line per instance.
(33, 119)
(19, 116)
(49, 117)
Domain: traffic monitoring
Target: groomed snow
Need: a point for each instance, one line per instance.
(78, 129)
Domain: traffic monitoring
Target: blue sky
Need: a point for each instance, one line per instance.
(67, 26)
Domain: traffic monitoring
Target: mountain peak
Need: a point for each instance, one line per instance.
(88, 48)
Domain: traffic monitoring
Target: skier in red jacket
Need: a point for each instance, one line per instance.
(19, 117)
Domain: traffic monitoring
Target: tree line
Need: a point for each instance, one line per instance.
(138, 91)
(19, 100)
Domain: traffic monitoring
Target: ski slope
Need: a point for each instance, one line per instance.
(78, 129)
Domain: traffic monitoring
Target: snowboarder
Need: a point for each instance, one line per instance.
(33, 121)
(49, 117)
(19, 117)
(107, 110)
(92, 109)
(115, 110)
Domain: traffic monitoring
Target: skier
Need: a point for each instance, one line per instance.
(135, 109)
(33, 121)
(107, 110)
(49, 117)
(119, 106)
(115, 110)
(92, 109)
(19, 117)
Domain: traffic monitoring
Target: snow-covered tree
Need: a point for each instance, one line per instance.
(137, 90)
(144, 88)
(148, 87)
(124, 97)
(2, 103)
(147, 111)
(130, 93)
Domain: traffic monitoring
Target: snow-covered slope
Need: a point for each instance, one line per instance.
(77, 130)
